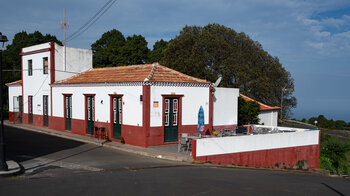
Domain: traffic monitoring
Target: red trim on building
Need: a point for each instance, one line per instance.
(211, 109)
(11, 116)
(146, 112)
(194, 149)
(110, 132)
(22, 85)
(52, 72)
(52, 62)
(35, 51)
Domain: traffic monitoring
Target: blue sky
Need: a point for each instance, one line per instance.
(311, 38)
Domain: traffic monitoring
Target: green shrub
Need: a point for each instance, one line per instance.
(325, 163)
(333, 155)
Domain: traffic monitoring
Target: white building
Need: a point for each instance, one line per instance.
(142, 105)
(268, 115)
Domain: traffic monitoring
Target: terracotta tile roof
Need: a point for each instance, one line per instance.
(263, 107)
(18, 82)
(132, 73)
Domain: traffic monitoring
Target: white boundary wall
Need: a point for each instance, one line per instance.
(236, 144)
(193, 98)
(132, 106)
(225, 106)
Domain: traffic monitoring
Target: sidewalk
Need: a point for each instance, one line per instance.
(161, 152)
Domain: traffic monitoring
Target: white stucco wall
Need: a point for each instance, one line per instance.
(132, 107)
(268, 118)
(235, 144)
(193, 98)
(225, 106)
(14, 91)
(36, 47)
(77, 60)
(37, 84)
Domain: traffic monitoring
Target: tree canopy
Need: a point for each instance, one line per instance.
(112, 49)
(323, 122)
(216, 51)
(248, 112)
(157, 54)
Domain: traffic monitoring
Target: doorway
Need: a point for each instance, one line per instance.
(171, 119)
(90, 104)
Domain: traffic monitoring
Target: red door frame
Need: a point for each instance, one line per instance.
(85, 120)
(179, 123)
(64, 108)
(111, 96)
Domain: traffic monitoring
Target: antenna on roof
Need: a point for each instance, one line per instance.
(64, 26)
(216, 84)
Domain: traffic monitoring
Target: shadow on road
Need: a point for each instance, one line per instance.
(24, 145)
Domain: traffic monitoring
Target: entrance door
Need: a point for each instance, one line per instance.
(45, 110)
(30, 109)
(68, 109)
(20, 108)
(171, 106)
(117, 117)
(90, 101)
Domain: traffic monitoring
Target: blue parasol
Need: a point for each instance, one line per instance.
(201, 120)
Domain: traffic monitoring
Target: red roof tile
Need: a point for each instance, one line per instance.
(132, 73)
(263, 107)
(18, 82)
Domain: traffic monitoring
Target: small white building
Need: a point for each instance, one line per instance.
(144, 105)
(268, 115)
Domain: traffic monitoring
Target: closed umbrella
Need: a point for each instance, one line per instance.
(201, 120)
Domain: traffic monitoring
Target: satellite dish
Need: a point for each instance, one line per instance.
(216, 84)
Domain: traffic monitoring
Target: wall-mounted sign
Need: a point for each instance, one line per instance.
(155, 104)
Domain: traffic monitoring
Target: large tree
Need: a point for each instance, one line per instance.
(112, 49)
(216, 51)
(12, 60)
(107, 50)
(157, 53)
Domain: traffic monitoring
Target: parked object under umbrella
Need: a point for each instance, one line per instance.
(201, 120)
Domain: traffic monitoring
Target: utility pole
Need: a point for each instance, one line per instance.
(64, 26)
(3, 164)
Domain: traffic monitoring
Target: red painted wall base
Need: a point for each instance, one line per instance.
(281, 158)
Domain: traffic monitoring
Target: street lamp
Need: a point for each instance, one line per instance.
(3, 165)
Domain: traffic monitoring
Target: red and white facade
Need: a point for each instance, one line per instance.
(150, 98)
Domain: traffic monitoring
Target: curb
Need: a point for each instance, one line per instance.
(14, 169)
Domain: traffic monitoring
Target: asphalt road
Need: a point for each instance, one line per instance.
(56, 166)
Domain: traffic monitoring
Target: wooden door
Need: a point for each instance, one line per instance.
(45, 110)
(68, 112)
(171, 107)
(117, 117)
(90, 102)
(30, 109)
(20, 108)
